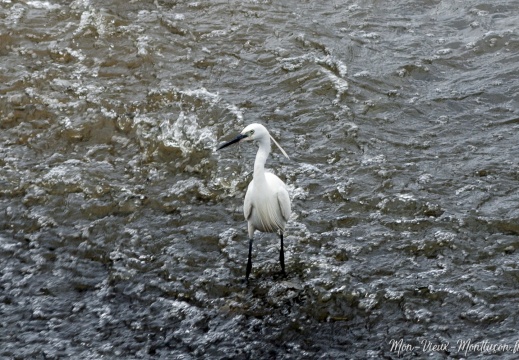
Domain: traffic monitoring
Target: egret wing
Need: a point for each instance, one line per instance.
(284, 203)
(247, 205)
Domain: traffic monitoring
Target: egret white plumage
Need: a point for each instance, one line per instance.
(267, 204)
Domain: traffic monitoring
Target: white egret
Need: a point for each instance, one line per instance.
(267, 204)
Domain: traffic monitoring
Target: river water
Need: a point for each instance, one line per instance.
(121, 229)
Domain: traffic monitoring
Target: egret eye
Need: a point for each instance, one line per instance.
(251, 132)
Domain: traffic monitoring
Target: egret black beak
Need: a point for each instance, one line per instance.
(234, 141)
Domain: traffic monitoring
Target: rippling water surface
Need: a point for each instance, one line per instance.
(121, 230)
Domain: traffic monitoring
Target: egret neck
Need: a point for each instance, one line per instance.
(261, 159)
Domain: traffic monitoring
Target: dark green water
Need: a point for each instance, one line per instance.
(121, 229)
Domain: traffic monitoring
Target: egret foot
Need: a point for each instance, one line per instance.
(282, 256)
(249, 262)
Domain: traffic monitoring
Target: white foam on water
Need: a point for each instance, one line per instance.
(95, 19)
(405, 197)
(186, 134)
(340, 85)
(16, 13)
(298, 193)
(142, 45)
(370, 160)
(333, 68)
(202, 93)
(80, 4)
(68, 173)
(214, 99)
(334, 63)
(43, 5)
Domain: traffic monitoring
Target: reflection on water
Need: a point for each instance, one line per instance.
(122, 234)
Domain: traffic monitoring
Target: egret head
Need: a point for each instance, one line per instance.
(256, 132)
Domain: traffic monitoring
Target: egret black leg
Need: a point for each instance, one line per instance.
(249, 262)
(282, 255)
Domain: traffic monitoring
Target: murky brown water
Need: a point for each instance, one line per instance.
(121, 230)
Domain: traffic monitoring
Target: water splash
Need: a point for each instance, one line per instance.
(186, 134)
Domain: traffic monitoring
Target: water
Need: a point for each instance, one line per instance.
(121, 231)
